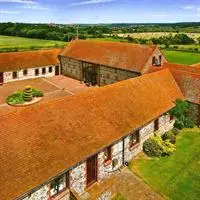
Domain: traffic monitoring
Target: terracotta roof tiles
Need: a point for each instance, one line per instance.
(27, 59)
(114, 54)
(40, 141)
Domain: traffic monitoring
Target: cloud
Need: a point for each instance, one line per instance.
(34, 7)
(19, 1)
(9, 12)
(188, 7)
(91, 2)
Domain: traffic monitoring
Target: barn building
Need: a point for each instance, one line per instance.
(28, 64)
(42, 156)
(188, 80)
(103, 63)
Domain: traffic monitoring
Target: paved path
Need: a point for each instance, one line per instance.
(127, 184)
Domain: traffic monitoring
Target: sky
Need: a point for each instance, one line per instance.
(99, 11)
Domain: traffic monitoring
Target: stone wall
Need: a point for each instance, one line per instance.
(8, 76)
(42, 193)
(105, 170)
(109, 75)
(165, 124)
(77, 178)
(71, 68)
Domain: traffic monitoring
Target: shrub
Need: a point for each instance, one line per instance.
(181, 113)
(156, 147)
(37, 93)
(27, 93)
(153, 146)
(168, 148)
(16, 98)
(169, 136)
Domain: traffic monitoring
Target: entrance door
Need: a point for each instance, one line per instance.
(1, 78)
(91, 170)
(57, 70)
(90, 74)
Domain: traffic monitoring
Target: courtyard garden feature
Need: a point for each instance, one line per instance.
(26, 97)
(176, 176)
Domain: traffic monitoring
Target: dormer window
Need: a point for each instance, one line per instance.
(154, 61)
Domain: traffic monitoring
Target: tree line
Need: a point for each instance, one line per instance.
(68, 32)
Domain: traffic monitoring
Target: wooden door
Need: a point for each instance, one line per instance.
(57, 70)
(1, 78)
(91, 170)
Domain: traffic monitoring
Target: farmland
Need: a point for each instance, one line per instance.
(149, 35)
(10, 43)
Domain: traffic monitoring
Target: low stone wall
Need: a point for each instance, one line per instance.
(8, 76)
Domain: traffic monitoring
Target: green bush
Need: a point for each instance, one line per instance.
(168, 148)
(16, 98)
(181, 113)
(37, 93)
(153, 146)
(169, 136)
(156, 147)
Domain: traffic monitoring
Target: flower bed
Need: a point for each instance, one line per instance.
(26, 97)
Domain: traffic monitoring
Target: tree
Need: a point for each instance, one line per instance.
(181, 113)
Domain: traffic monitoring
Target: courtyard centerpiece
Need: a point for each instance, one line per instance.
(26, 97)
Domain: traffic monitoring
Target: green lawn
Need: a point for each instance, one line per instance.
(10, 43)
(181, 57)
(177, 176)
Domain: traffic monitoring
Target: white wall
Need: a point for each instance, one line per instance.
(8, 76)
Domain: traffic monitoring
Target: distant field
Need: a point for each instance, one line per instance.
(10, 43)
(180, 57)
(150, 35)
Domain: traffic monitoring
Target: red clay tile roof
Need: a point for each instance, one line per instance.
(187, 68)
(27, 59)
(187, 78)
(114, 54)
(189, 83)
(40, 141)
